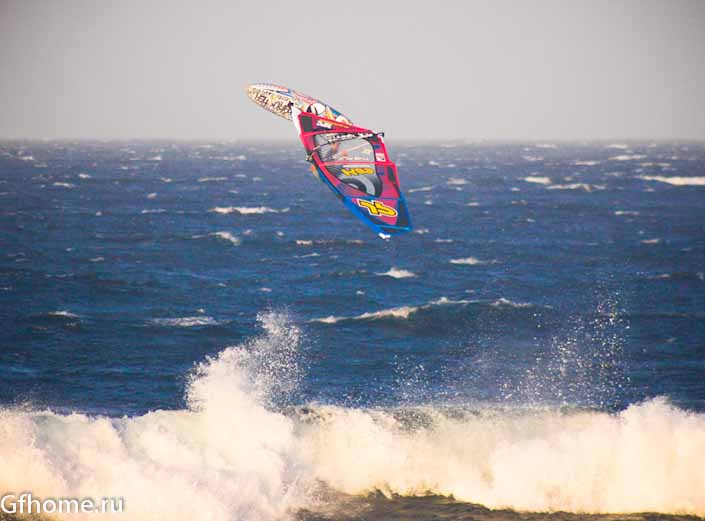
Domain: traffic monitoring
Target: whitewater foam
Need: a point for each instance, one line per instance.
(586, 163)
(648, 458)
(227, 457)
(676, 180)
(241, 450)
(397, 273)
(576, 186)
(227, 236)
(246, 210)
(185, 321)
(402, 312)
(627, 157)
(538, 180)
(467, 261)
(421, 189)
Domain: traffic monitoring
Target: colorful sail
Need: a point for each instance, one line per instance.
(352, 161)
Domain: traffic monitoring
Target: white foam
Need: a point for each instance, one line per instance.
(63, 313)
(153, 210)
(226, 457)
(456, 181)
(185, 321)
(301, 242)
(510, 303)
(397, 273)
(586, 163)
(84, 176)
(246, 210)
(233, 455)
(626, 212)
(538, 180)
(619, 146)
(650, 457)
(627, 157)
(64, 185)
(421, 189)
(577, 186)
(152, 195)
(211, 179)
(676, 180)
(650, 241)
(227, 236)
(467, 261)
(402, 312)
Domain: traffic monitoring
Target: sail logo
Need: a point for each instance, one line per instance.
(377, 208)
(359, 170)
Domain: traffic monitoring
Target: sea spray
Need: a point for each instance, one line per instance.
(229, 456)
(650, 457)
(233, 454)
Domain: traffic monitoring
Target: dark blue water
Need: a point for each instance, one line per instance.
(567, 275)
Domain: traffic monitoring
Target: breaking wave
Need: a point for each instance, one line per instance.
(242, 451)
(406, 312)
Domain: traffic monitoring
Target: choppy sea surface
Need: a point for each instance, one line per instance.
(204, 330)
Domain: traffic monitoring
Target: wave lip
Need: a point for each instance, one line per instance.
(227, 236)
(401, 312)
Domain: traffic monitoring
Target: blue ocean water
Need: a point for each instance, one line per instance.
(545, 287)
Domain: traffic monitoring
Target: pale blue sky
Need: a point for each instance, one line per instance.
(425, 70)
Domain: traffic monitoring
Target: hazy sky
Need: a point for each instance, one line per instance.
(416, 69)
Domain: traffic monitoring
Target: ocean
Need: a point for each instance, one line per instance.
(205, 331)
